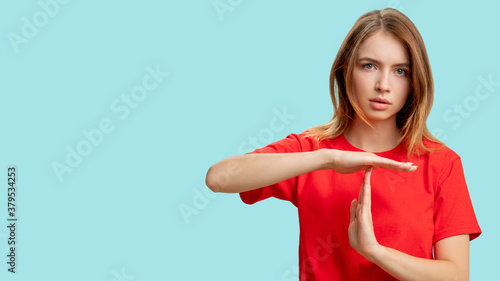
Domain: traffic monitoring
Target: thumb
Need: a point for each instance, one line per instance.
(354, 205)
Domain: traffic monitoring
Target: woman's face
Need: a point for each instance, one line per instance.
(381, 77)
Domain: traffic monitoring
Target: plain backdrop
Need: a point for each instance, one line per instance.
(113, 111)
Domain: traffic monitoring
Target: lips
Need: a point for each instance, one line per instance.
(379, 103)
(380, 100)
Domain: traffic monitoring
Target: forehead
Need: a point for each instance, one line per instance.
(384, 48)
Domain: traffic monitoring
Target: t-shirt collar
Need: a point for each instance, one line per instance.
(396, 151)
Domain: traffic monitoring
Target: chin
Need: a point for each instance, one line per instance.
(378, 117)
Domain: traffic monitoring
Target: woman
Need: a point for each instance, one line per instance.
(412, 198)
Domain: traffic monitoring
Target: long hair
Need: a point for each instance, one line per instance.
(411, 119)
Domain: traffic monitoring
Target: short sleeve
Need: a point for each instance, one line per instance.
(284, 190)
(453, 211)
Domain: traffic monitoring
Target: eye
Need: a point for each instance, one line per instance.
(401, 71)
(368, 66)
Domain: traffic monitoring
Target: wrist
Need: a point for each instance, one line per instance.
(377, 254)
(327, 158)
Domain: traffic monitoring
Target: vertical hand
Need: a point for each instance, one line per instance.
(361, 235)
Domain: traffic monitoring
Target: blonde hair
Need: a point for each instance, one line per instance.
(411, 119)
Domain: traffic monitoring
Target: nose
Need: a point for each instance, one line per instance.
(383, 82)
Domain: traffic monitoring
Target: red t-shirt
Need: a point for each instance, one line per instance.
(411, 210)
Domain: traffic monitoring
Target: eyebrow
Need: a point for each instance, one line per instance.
(376, 61)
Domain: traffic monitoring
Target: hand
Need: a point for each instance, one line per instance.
(361, 235)
(352, 161)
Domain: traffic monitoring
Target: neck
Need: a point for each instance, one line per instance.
(382, 136)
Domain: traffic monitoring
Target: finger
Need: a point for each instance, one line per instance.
(367, 193)
(361, 193)
(354, 205)
(393, 165)
(365, 187)
(368, 173)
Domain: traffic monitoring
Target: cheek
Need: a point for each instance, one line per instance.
(360, 83)
(405, 85)
(403, 89)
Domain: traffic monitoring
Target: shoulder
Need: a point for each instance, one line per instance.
(304, 141)
(300, 142)
(439, 151)
(294, 142)
(441, 160)
(311, 141)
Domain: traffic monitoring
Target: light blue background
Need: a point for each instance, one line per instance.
(117, 215)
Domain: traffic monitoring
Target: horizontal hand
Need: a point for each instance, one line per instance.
(352, 161)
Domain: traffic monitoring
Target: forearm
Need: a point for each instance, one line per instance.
(250, 171)
(406, 267)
